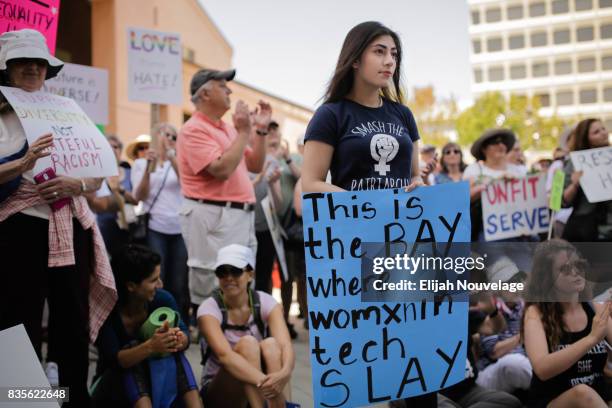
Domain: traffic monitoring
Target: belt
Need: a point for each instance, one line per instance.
(229, 204)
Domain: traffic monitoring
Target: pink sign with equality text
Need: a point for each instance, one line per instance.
(40, 15)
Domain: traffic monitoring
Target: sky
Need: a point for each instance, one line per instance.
(289, 48)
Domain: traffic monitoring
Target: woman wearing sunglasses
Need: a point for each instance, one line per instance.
(564, 335)
(490, 152)
(452, 164)
(247, 351)
(156, 183)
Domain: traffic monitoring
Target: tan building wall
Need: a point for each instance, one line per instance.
(203, 46)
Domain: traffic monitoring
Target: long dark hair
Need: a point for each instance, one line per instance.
(580, 140)
(540, 289)
(355, 43)
(447, 146)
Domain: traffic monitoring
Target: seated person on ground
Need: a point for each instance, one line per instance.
(247, 352)
(564, 333)
(125, 376)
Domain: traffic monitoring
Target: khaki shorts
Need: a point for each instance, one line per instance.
(206, 229)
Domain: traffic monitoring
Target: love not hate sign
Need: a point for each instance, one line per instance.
(365, 352)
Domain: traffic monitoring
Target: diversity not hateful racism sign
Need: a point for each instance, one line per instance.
(80, 149)
(368, 352)
(596, 180)
(154, 66)
(40, 15)
(88, 86)
(515, 207)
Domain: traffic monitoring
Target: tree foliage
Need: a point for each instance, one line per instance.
(518, 113)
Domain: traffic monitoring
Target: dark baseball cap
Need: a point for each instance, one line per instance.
(204, 75)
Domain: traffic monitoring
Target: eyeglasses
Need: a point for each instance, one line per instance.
(140, 148)
(224, 272)
(578, 266)
(171, 136)
(454, 151)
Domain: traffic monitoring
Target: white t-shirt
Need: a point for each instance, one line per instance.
(164, 215)
(210, 307)
(479, 173)
(12, 139)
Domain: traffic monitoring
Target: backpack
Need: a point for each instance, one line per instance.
(255, 304)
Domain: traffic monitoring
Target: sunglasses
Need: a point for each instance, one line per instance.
(454, 151)
(578, 265)
(225, 271)
(171, 136)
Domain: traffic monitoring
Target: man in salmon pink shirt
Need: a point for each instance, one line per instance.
(214, 159)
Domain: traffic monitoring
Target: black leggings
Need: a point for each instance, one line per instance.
(27, 281)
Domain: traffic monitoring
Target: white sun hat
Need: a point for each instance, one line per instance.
(27, 43)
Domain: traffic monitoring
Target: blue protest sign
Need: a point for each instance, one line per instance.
(368, 352)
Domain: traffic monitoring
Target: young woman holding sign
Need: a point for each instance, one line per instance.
(47, 251)
(363, 134)
(564, 336)
(586, 219)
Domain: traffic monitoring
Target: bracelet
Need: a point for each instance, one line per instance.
(261, 132)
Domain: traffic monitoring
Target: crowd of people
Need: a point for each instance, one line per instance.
(182, 227)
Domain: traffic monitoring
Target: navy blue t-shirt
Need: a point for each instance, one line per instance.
(372, 146)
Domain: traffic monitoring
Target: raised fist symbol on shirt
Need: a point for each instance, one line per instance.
(383, 148)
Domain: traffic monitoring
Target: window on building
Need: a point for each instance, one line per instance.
(560, 6)
(605, 3)
(582, 5)
(496, 74)
(537, 9)
(518, 71)
(565, 98)
(606, 62)
(475, 17)
(539, 69)
(544, 99)
(586, 64)
(477, 45)
(493, 15)
(477, 75)
(607, 94)
(515, 12)
(561, 36)
(516, 41)
(588, 95)
(563, 67)
(584, 34)
(539, 39)
(605, 31)
(494, 44)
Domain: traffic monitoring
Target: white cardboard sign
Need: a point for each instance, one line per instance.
(88, 86)
(80, 149)
(154, 66)
(596, 180)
